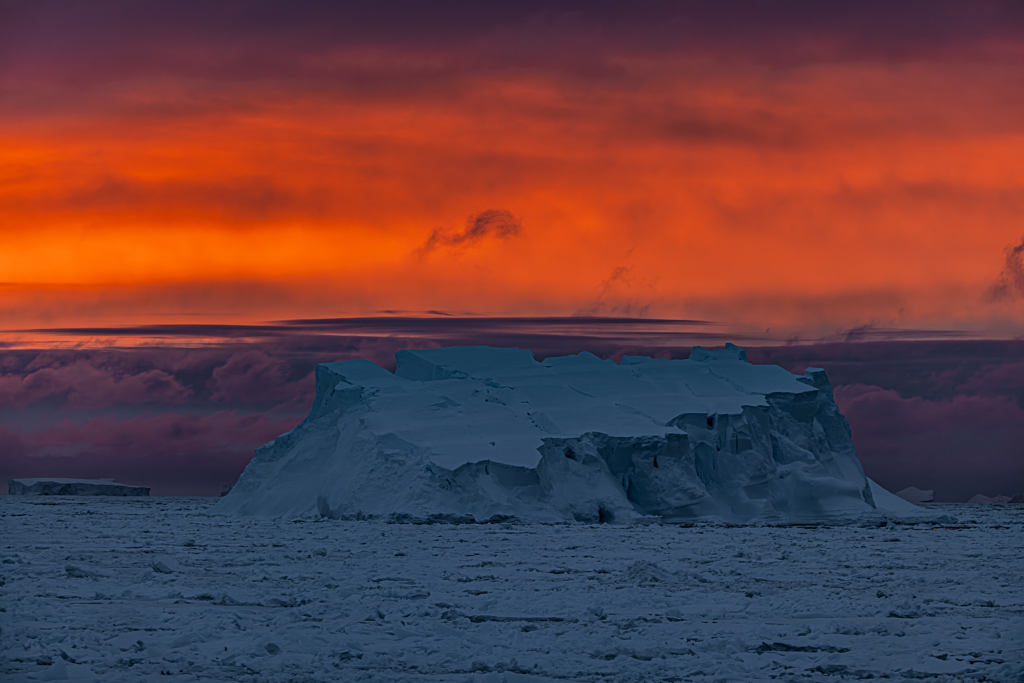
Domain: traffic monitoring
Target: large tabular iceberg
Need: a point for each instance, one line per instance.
(482, 432)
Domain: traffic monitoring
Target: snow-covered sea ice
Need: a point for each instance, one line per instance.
(156, 589)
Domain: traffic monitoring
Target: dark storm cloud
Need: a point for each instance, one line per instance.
(348, 334)
(946, 415)
(933, 370)
(1010, 283)
(255, 377)
(621, 278)
(863, 333)
(84, 384)
(490, 223)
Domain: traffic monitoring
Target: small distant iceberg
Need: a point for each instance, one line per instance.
(912, 494)
(73, 487)
(996, 500)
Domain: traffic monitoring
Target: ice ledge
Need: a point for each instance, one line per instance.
(72, 487)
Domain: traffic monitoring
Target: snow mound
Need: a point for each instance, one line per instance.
(487, 433)
(72, 487)
(912, 494)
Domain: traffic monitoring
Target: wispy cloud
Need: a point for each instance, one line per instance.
(490, 223)
(1010, 283)
(621, 278)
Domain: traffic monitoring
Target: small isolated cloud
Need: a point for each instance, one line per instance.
(175, 454)
(492, 222)
(1010, 283)
(960, 446)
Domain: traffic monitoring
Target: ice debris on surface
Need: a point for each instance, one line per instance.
(912, 494)
(278, 601)
(487, 433)
(72, 487)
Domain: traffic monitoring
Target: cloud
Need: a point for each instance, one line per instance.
(1010, 283)
(491, 223)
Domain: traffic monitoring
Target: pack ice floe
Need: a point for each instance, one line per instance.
(489, 433)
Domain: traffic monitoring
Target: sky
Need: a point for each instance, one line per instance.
(199, 201)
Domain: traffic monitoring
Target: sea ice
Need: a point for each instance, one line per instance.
(484, 433)
(73, 487)
(277, 601)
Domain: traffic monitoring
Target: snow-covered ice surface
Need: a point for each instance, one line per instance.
(155, 589)
(485, 432)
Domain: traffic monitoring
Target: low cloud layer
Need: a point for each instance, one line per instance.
(958, 447)
(1010, 283)
(294, 162)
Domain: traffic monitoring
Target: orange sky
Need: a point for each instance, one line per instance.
(812, 194)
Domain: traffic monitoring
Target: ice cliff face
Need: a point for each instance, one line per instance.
(484, 432)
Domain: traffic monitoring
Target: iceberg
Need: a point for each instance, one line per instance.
(481, 433)
(912, 494)
(72, 487)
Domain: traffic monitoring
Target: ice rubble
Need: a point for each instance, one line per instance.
(480, 432)
(73, 487)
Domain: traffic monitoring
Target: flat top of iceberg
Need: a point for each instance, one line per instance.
(468, 404)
